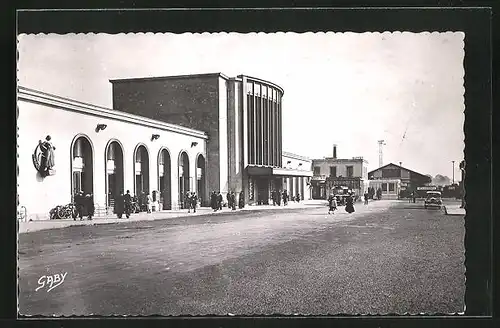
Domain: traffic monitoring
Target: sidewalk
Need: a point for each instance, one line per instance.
(453, 210)
(161, 215)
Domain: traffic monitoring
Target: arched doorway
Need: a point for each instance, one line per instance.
(114, 172)
(82, 166)
(183, 177)
(141, 172)
(164, 183)
(200, 179)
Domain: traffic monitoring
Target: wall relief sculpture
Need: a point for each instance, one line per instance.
(43, 157)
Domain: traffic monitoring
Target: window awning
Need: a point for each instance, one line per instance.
(256, 170)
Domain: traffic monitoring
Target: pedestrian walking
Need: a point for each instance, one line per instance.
(213, 201)
(187, 202)
(79, 202)
(194, 201)
(127, 199)
(233, 201)
(89, 203)
(241, 201)
(273, 196)
(229, 202)
(297, 199)
(332, 204)
(149, 203)
(285, 198)
(219, 201)
(366, 198)
(119, 207)
(349, 206)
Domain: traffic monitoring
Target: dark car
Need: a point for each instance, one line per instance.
(433, 200)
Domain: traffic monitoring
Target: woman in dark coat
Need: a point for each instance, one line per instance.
(349, 206)
(241, 202)
(80, 204)
(219, 201)
(89, 200)
(233, 201)
(119, 207)
(213, 201)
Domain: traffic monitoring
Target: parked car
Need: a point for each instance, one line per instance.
(433, 199)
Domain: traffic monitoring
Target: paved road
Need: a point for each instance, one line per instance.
(388, 257)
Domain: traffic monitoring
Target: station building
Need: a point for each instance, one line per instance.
(333, 172)
(102, 152)
(242, 117)
(164, 136)
(297, 170)
(393, 179)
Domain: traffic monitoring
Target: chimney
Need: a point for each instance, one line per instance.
(334, 151)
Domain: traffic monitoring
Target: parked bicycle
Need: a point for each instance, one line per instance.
(134, 207)
(67, 211)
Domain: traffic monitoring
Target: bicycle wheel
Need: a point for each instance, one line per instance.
(61, 213)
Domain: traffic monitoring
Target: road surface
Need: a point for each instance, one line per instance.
(387, 257)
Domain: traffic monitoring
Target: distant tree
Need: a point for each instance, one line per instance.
(441, 180)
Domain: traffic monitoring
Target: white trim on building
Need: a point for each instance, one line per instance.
(89, 109)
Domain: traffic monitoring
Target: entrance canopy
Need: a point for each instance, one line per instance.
(266, 171)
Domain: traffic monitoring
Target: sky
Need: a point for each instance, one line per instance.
(349, 89)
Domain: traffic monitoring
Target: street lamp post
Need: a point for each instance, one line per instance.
(453, 176)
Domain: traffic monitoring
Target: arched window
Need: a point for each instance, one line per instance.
(164, 176)
(141, 168)
(114, 172)
(82, 166)
(200, 179)
(184, 178)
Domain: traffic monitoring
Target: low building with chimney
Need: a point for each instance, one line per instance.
(332, 173)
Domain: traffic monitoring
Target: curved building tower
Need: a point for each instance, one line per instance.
(242, 117)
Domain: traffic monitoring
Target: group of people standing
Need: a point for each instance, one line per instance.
(216, 200)
(278, 196)
(84, 204)
(123, 205)
(191, 201)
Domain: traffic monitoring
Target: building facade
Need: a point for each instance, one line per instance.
(394, 179)
(164, 137)
(300, 184)
(243, 119)
(333, 172)
(102, 152)
(390, 188)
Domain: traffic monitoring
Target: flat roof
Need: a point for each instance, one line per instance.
(27, 94)
(331, 159)
(255, 79)
(170, 77)
(295, 156)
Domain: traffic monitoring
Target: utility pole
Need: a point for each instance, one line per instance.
(380, 154)
(453, 179)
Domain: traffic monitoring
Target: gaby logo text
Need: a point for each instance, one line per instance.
(51, 281)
